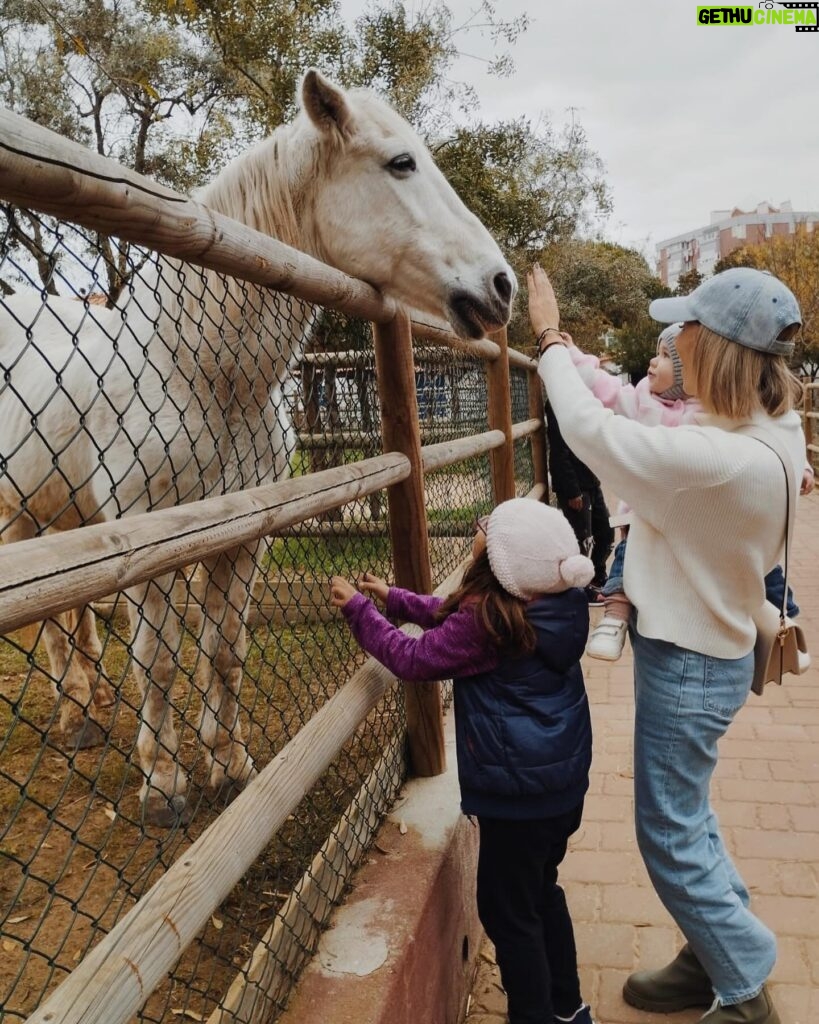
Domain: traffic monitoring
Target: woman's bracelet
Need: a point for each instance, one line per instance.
(543, 333)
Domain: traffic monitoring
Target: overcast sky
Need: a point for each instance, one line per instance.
(686, 118)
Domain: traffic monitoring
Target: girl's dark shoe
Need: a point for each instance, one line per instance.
(759, 1010)
(581, 1016)
(678, 985)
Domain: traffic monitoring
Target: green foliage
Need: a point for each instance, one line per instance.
(530, 185)
(688, 281)
(604, 290)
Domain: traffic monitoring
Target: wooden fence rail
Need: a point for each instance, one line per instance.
(51, 574)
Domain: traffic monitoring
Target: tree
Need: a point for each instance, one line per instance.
(530, 184)
(794, 259)
(604, 290)
(688, 281)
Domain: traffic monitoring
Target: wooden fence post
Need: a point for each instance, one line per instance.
(400, 430)
(500, 418)
(538, 439)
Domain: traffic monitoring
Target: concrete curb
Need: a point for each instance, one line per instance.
(403, 947)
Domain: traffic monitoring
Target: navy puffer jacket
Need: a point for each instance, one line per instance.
(523, 729)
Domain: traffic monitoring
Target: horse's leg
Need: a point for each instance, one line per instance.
(155, 642)
(71, 683)
(62, 642)
(89, 653)
(224, 645)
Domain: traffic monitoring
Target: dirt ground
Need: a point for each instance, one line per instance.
(75, 852)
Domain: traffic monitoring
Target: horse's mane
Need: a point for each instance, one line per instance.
(269, 186)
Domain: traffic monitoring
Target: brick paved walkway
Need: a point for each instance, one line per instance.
(766, 794)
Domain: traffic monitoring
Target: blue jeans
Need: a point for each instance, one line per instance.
(684, 703)
(614, 584)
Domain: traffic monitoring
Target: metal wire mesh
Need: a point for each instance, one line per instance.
(130, 383)
(524, 468)
(452, 403)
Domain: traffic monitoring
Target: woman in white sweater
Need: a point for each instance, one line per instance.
(709, 511)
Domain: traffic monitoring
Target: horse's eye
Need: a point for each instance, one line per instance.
(401, 165)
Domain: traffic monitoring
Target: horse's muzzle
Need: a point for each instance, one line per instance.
(473, 316)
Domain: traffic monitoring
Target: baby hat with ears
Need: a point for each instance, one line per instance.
(532, 550)
(669, 339)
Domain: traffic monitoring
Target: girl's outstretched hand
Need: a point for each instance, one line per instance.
(375, 586)
(341, 591)
(543, 310)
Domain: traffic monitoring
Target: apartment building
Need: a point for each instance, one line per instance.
(728, 230)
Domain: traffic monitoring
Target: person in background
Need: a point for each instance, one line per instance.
(511, 637)
(581, 500)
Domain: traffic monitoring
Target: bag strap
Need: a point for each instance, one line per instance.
(767, 438)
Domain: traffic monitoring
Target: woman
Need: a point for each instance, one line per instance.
(709, 512)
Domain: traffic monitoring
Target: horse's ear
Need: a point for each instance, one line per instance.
(326, 104)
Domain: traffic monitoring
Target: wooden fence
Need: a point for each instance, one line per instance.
(44, 576)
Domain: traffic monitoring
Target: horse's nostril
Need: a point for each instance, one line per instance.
(503, 285)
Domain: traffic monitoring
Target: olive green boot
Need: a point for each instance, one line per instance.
(678, 985)
(759, 1010)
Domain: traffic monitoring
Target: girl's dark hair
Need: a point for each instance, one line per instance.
(501, 615)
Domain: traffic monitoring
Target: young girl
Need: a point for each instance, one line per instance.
(658, 399)
(511, 637)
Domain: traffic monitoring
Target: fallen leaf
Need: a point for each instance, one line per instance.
(190, 1014)
(217, 924)
(402, 827)
(18, 920)
(9, 946)
(109, 812)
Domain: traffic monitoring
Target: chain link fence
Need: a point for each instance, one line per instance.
(127, 726)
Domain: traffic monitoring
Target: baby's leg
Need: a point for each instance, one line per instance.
(607, 639)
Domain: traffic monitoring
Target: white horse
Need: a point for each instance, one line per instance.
(105, 413)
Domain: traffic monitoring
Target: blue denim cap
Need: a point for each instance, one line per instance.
(751, 307)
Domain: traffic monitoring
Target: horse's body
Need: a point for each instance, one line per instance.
(175, 397)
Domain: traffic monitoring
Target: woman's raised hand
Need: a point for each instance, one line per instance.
(374, 585)
(543, 310)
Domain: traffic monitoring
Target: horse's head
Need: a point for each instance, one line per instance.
(385, 213)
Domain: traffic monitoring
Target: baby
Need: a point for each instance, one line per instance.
(658, 399)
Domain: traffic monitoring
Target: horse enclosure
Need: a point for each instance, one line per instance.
(199, 425)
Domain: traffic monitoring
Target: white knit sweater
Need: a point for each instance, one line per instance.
(709, 511)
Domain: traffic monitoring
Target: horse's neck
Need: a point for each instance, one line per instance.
(268, 188)
(264, 331)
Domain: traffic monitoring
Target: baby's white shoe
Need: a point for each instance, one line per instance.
(607, 639)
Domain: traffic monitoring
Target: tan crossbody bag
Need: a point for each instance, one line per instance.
(778, 642)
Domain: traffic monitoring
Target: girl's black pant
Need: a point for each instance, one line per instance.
(524, 913)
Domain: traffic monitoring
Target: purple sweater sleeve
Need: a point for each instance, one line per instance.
(412, 607)
(455, 647)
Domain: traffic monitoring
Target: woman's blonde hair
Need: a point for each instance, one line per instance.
(736, 381)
